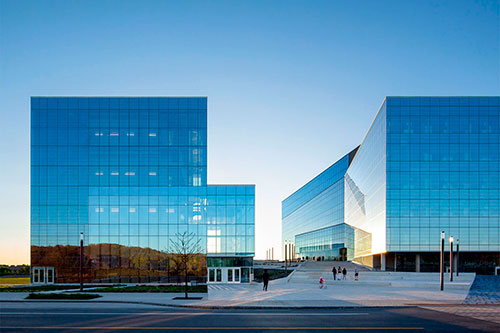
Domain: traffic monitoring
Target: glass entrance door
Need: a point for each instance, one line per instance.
(35, 275)
(237, 275)
(215, 275)
(50, 275)
(43, 275)
(211, 275)
(233, 275)
(224, 275)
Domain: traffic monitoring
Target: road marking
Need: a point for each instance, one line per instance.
(308, 328)
(186, 313)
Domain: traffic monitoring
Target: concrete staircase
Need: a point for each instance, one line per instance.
(310, 272)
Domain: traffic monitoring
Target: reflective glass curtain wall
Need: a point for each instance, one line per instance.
(443, 172)
(326, 243)
(428, 164)
(364, 185)
(130, 174)
(316, 205)
(231, 215)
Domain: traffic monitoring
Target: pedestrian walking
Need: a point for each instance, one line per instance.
(356, 274)
(265, 279)
(334, 271)
(339, 272)
(344, 273)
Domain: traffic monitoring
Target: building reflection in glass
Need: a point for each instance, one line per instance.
(129, 173)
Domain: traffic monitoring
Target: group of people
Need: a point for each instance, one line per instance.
(342, 273)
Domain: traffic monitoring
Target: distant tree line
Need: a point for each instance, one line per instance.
(14, 270)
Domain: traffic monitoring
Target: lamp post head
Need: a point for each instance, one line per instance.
(442, 234)
(81, 235)
(451, 239)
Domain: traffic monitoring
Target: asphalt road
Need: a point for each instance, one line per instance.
(61, 316)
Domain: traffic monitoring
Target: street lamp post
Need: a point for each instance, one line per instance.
(441, 264)
(285, 255)
(451, 258)
(81, 261)
(458, 258)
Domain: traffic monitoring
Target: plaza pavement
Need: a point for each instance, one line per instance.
(283, 294)
(486, 312)
(338, 294)
(301, 290)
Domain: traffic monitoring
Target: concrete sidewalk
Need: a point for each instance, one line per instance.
(285, 295)
(301, 290)
(163, 299)
(281, 293)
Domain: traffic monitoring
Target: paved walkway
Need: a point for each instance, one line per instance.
(482, 312)
(484, 290)
(286, 295)
(281, 293)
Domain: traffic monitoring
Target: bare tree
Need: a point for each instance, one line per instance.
(186, 246)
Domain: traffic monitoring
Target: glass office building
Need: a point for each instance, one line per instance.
(327, 243)
(130, 174)
(427, 164)
(312, 216)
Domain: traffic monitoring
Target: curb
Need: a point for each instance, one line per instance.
(221, 307)
(255, 307)
(456, 305)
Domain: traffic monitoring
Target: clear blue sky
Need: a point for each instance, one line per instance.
(292, 85)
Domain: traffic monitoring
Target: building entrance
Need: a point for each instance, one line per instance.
(224, 275)
(42, 275)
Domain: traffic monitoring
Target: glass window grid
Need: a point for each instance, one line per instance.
(325, 242)
(316, 205)
(450, 180)
(426, 165)
(326, 209)
(364, 185)
(318, 184)
(98, 167)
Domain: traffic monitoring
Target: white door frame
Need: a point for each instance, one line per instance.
(49, 278)
(40, 275)
(226, 274)
(217, 275)
(233, 274)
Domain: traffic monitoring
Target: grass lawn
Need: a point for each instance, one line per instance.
(152, 289)
(62, 296)
(10, 281)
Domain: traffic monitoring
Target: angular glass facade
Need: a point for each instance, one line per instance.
(427, 164)
(365, 189)
(326, 243)
(318, 204)
(131, 175)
